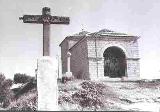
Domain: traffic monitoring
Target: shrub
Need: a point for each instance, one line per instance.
(5, 92)
(27, 87)
(21, 78)
(87, 99)
(93, 87)
(65, 98)
(27, 102)
(91, 95)
(2, 78)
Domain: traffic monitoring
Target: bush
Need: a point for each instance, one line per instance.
(27, 87)
(22, 78)
(27, 102)
(65, 98)
(91, 95)
(5, 93)
(94, 87)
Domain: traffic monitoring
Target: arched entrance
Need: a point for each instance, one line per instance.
(114, 62)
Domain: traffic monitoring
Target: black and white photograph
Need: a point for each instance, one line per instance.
(80, 55)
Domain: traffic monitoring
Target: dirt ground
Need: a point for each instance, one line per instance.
(142, 95)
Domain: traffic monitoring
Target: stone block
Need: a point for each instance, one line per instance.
(68, 74)
(124, 78)
(47, 84)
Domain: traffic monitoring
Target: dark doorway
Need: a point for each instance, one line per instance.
(114, 62)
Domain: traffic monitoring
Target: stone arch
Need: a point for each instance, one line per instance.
(111, 45)
(115, 63)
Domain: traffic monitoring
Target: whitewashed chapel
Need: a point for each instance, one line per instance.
(102, 54)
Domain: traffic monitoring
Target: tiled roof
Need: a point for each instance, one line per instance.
(76, 36)
(106, 32)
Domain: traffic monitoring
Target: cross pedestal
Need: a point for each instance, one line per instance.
(47, 84)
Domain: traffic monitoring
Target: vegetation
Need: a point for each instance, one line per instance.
(22, 78)
(90, 96)
(25, 96)
(86, 95)
(27, 101)
(5, 92)
(78, 94)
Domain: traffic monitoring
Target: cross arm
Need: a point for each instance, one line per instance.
(40, 19)
(59, 20)
(31, 19)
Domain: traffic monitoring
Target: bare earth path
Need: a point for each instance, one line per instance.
(143, 96)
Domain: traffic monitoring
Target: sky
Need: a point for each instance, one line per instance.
(21, 43)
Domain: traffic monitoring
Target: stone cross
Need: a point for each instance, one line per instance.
(46, 19)
(46, 68)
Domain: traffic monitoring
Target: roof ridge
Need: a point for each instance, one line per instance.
(82, 33)
(102, 32)
(105, 30)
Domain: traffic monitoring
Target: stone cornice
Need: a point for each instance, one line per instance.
(133, 59)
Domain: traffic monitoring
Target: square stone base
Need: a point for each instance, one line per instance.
(68, 74)
(47, 84)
